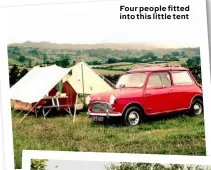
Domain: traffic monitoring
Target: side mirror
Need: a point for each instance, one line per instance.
(122, 85)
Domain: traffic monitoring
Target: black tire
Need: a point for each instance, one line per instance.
(133, 116)
(196, 107)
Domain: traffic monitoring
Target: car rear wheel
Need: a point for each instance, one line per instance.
(197, 107)
(133, 116)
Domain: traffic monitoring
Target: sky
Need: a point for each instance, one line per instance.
(77, 165)
(98, 22)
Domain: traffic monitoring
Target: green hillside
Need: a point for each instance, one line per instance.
(30, 53)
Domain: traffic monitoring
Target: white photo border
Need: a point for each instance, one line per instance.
(205, 68)
(111, 157)
(2, 161)
(5, 114)
(6, 121)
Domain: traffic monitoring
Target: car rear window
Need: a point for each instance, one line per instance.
(181, 78)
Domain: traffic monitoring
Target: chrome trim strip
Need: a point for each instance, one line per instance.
(169, 111)
(105, 114)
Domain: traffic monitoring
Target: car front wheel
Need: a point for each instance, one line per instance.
(132, 116)
(197, 107)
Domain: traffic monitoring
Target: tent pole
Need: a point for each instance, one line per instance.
(21, 111)
(81, 100)
(28, 112)
(83, 81)
(75, 108)
(13, 110)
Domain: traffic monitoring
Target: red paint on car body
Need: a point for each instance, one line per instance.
(165, 98)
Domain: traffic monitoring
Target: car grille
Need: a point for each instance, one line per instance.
(101, 107)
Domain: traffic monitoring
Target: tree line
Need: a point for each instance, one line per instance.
(146, 58)
(156, 166)
(193, 64)
(64, 58)
(40, 164)
(15, 74)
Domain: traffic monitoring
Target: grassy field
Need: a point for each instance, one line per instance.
(108, 72)
(172, 134)
(118, 63)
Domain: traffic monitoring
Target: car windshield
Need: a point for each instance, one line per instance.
(132, 80)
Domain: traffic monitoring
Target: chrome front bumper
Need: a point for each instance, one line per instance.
(105, 114)
(103, 109)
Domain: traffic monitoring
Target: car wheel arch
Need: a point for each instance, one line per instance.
(133, 104)
(196, 97)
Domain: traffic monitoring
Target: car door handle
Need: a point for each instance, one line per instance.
(147, 94)
(171, 89)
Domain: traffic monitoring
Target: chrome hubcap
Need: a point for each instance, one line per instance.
(133, 118)
(197, 108)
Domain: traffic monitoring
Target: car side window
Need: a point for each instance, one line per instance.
(165, 78)
(154, 80)
(159, 80)
(181, 78)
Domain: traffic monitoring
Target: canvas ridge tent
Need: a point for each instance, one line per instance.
(40, 84)
(86, 81)
(31, 92)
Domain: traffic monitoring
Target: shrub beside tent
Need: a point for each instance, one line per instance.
(53, 87)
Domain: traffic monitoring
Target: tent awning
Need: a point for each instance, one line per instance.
(37, 83)
(40, 80)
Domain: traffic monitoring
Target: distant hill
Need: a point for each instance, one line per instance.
(33, 52)
(117, 46)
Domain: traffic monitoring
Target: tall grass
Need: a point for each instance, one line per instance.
(180, 134)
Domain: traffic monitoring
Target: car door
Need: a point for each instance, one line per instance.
(158, 93)
(184, 87)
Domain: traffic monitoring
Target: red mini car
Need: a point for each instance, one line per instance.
(149, 91)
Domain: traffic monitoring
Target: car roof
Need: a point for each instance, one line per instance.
(156, 69)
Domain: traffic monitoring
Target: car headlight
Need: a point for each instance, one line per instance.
(112, 99)
(88, 100)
